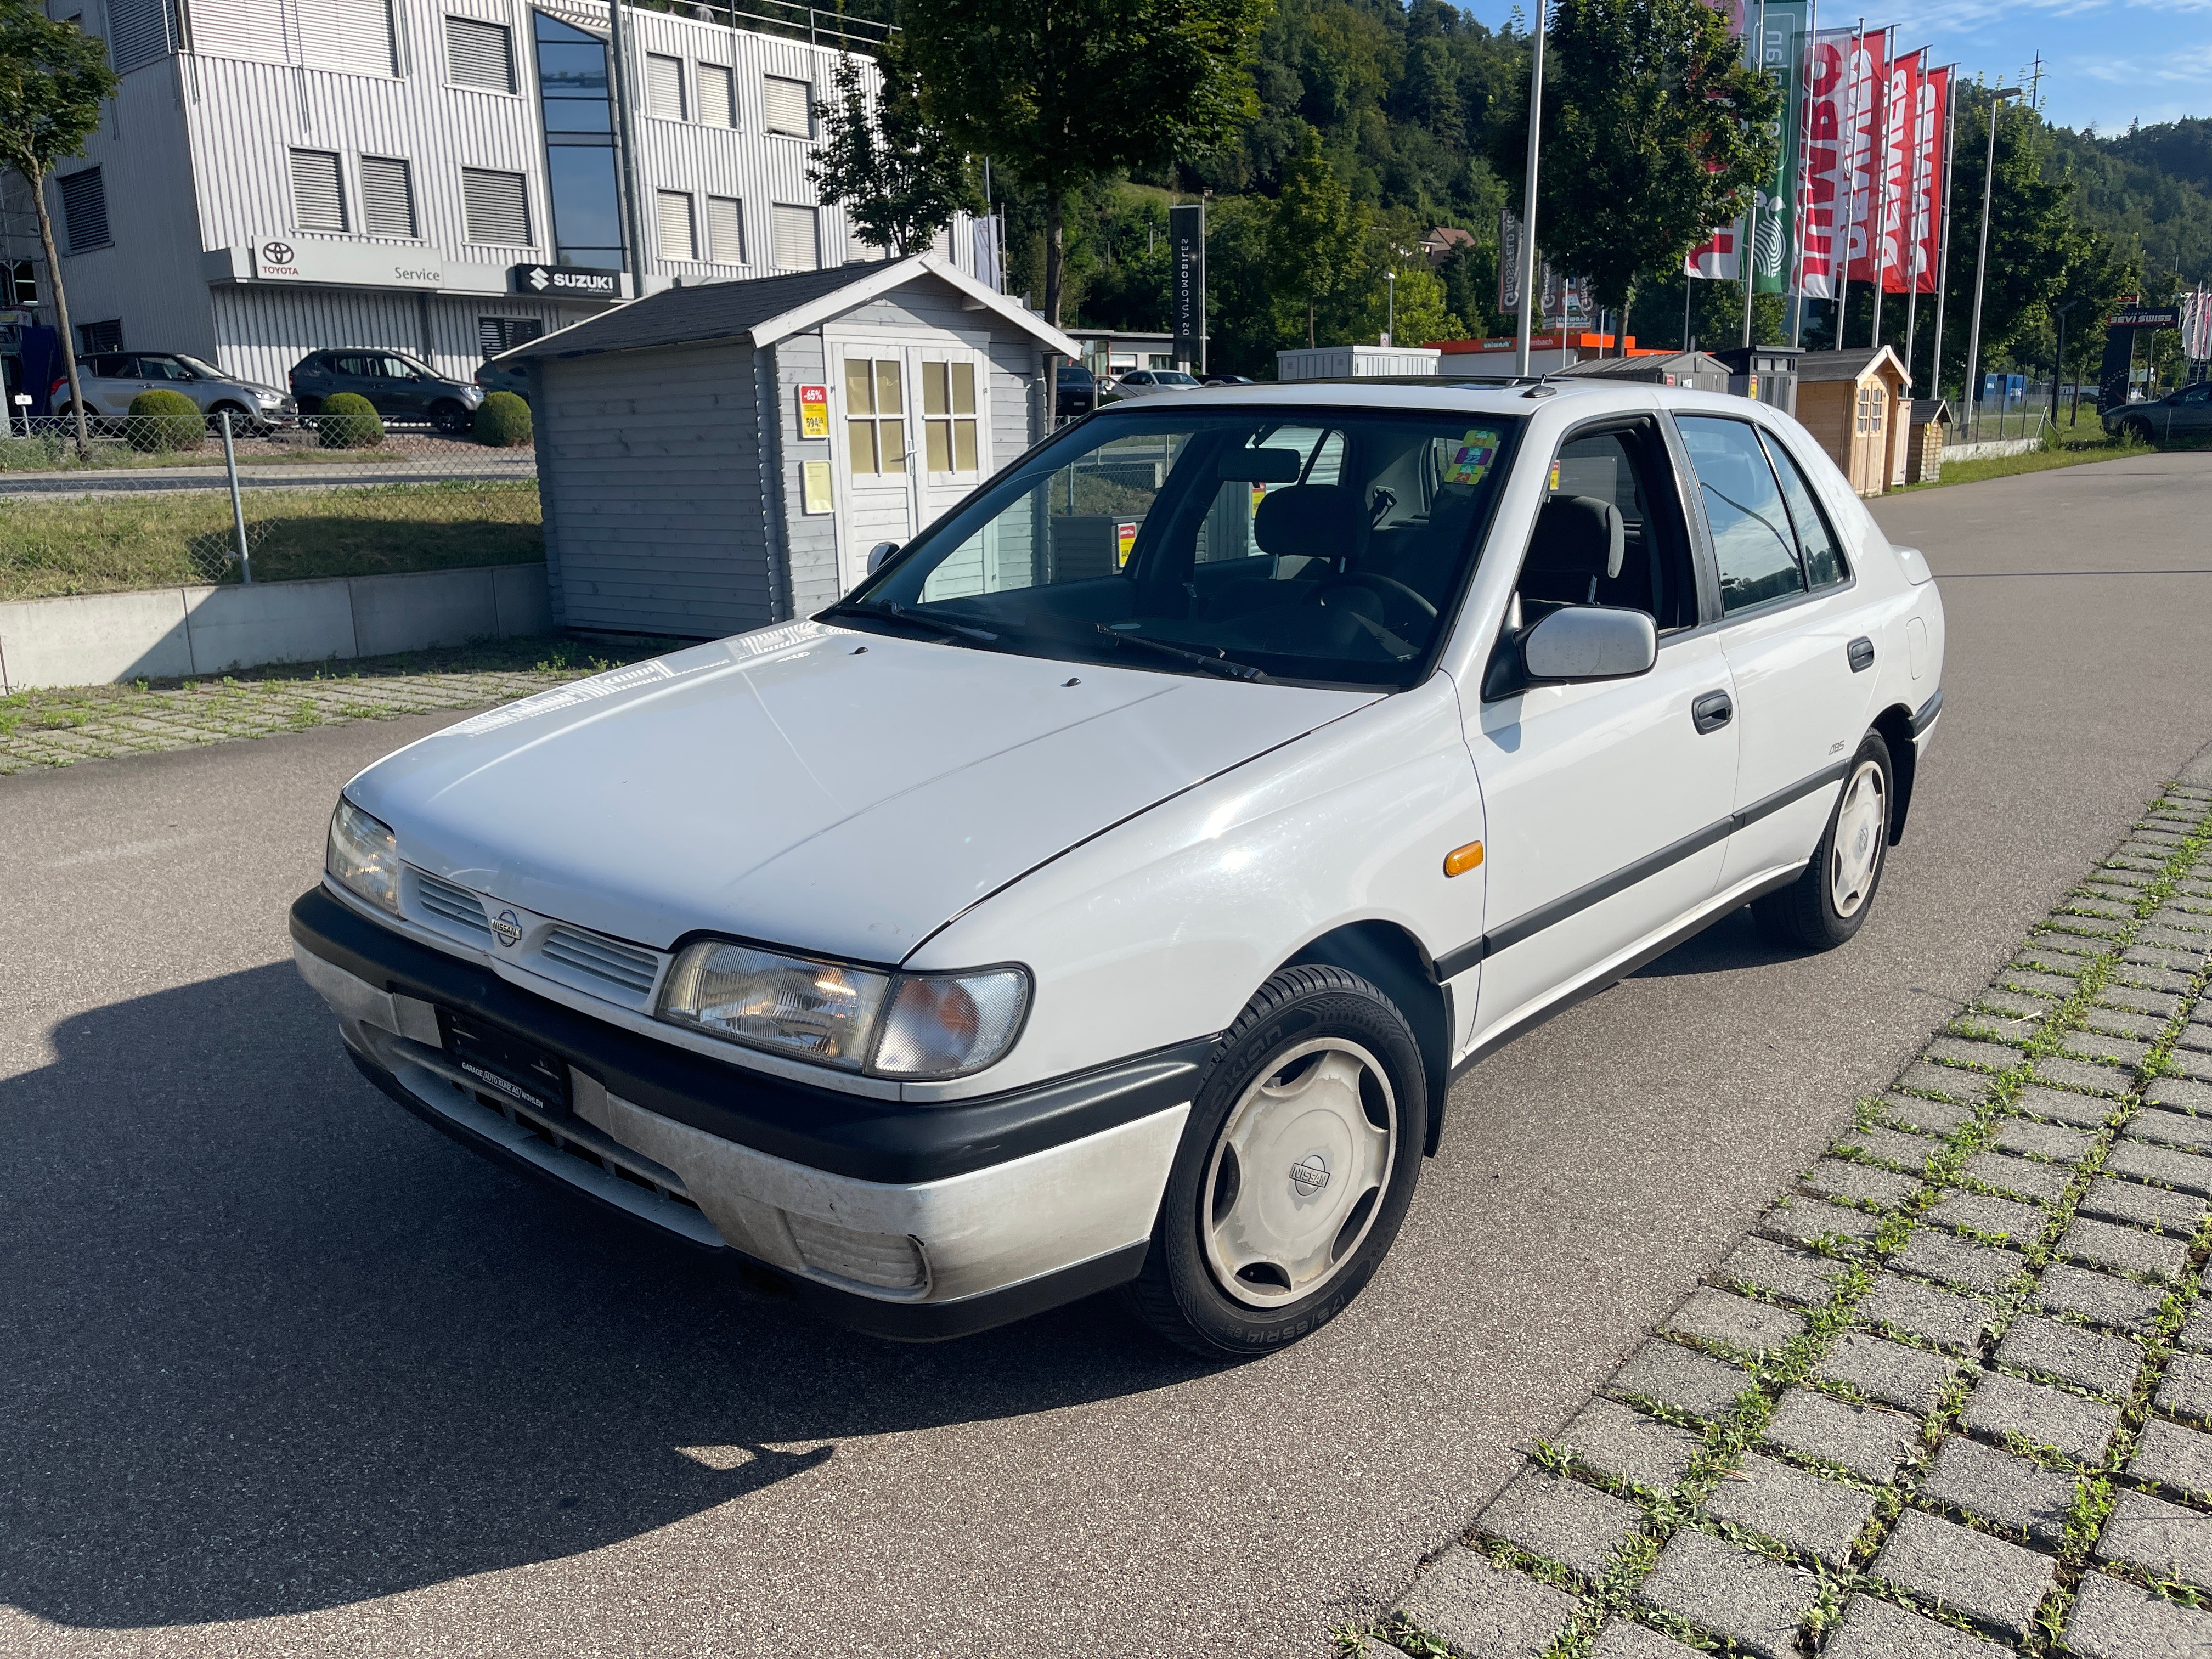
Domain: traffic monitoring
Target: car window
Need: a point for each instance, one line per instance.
(1753, 542)
(1816, 537)
(2201, 393)
(200, 366)
(163, 368)
(395, 369)
(107, 368)
(1623, 473)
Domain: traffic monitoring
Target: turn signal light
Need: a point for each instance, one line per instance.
(1461, 859)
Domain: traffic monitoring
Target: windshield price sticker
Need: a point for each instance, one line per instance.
(1472, 458)
(814, 411)
(1125, 537)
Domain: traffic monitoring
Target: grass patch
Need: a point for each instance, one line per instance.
(93, 545)
(51, 453)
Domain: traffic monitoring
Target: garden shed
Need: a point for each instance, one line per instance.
(713, 459)
(1854, 404)
(1694, 371)
(1924, 451)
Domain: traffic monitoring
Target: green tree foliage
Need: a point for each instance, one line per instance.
(1655, 131)
(900, 176)
(53, 79)
(1318, 234)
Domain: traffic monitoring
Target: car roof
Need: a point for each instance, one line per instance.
(1445, 396)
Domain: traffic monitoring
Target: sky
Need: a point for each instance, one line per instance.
(2108, 62)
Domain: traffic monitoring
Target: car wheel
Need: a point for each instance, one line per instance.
(1296, 1168)
(242, 423)
(449, 418)
(1829, 903)
(2135, 432)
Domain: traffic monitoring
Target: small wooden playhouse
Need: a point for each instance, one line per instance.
(1856, 404)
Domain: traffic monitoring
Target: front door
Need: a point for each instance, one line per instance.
(2191, 419)
(914, 436)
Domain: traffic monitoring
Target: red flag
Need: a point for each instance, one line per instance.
(1824, 203)
(1862, 146)
(1894, 210)
(1931, 107)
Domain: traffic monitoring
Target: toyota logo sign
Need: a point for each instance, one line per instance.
(277, 253)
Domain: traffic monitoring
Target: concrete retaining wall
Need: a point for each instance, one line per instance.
(1989, 448)
(171, 632)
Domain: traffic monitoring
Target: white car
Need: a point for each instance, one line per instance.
(1152, 382)
(1043, 918)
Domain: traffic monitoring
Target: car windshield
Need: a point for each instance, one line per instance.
(200, 366)
(1319, 546)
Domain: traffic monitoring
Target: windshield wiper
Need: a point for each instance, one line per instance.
(908, 614)
(1222, 665)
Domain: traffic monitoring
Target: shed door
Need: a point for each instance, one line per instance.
(914, 437)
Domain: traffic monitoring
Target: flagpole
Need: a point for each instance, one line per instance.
(1913, 196)
(1748, 255)
(1801, 184)
(1850, 136)
(1878, 263)
(1943, 238)
(1528, 195)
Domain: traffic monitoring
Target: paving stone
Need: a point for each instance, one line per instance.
(2104, 1364)
(2098, 1045)
(2071, 950)
(2168, 1166)
(2084, 1111)
(1620, 1639)
(2079, 1428)
(2184, 941)
(2099, 1298)
(2180, 1094)
(2197, 1335)
(1808, 1220)
(2170, 1129)
(1841, 1178)
(2186, 1390)
(1964, 1051)
(1937, 1117)
(2126, 878)
(2123, 1021)
(1908, 1153)
(1805, 1511)
(1485, 1612)
(2148, 979)
(2182, 962)
(2165, 1539)
(2047, 1140)
(1936, 1255)
(1867, 1440)
(2000, 1487)
(2190, 1063)
(2019, 1005)
(1922, 1310)
(2112, 1621)
(2105, 1245)
(2044, 1182)
(2002, 1219)
(1616, 1439)
(2195, 1036)
(2104, 909)
(2113, 892)
(2171, 1455)
(1800, 1275)
(2159, 1003)
(1755, 1327)
(1889, 1371)
(1756, 1603)
(1561, 1520)
(2082, 1074)
(1948, 1081)
(1989, 1580)
(2146, 1207)
(2095, 929)
(2036, 981)
(1874, 1629)
(1674, 1376)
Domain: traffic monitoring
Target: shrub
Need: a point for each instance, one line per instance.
(503, 421)
(162, 420)
(348, 421)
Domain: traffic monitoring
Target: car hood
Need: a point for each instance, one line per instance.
(810, 787)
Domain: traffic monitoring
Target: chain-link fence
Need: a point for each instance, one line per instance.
(181, 499)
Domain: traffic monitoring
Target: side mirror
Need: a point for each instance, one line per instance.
(1590, 642)
(878, 553)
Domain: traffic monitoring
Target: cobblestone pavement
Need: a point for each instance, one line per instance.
(1951, 1398)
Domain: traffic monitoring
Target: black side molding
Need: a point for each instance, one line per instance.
(1925, 717)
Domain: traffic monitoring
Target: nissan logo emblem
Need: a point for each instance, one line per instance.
(1309, 1175)
(277, 253)
(507, 927)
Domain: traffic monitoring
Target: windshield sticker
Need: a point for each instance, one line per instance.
(1555, 475)
(1472, 458)
(1125, 537)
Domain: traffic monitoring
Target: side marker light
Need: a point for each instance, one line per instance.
(1461, 859)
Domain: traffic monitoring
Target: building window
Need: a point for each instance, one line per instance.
(84, 210)
(678, 236)
(790, 106)
(19, 282)
(139, 31)
(580, 158)
(663, 86)
(477, 55)
(875, 414)
(725, 230)
(797, 243)
(91, 338)
(496, 207)
(498, 334)
(1870, 411)
(318, 192)
(387, 197)
(718, 95)
(948, 416)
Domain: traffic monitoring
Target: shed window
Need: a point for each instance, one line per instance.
(798, 242)
(718, 95)
(948, 416)
(496, 207)
(875, 414)
(679, 236)
(663, 86)
(790, 106)
(478, 55)
(1871, 401)
(84, 210)
(725, 230)
(318, 193)
(387, 197)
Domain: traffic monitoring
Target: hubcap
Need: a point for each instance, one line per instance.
(1298, 1172)
(1861, 824)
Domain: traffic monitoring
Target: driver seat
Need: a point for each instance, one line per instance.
(1325, 523)
(1579, 542)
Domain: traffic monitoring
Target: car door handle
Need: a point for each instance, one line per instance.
(1860, 652)
(1712, 711)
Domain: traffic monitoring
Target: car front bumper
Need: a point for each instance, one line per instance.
(908, 1222)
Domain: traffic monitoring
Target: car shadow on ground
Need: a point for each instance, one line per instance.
(271, 1344)
(1729, 946)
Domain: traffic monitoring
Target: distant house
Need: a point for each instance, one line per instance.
(1440, 242)
(1854, 403)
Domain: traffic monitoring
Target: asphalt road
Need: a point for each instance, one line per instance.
(283, 1372)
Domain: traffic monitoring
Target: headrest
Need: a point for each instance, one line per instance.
(1577, 535)
(1320, 521)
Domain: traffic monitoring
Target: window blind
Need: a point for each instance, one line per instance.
(476, 54)
(718, 95)
(84, 209)
(318, 193)
(387, 197)
(139, 31)
(679, 237)
(789, 106)
(352, 36)
(726, 231)
(663, 86)
(797, 247)
(495, 206)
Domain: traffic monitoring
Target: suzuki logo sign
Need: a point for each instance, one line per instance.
(569, 280)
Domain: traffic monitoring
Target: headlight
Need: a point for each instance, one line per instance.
(907, 1025)
(363, 855)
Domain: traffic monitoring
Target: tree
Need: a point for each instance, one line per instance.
(1061, 92)
(1315, 240)
(1654, 132)
(53, 79)
(900, 178)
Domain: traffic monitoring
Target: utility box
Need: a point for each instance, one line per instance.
(1766, 374)
(1354, 362)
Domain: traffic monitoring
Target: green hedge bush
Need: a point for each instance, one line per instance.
(162, 419)
(348, 421)
(503, 421)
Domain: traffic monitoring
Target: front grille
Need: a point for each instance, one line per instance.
(622, 965)
(448, 902)
(883, 1259)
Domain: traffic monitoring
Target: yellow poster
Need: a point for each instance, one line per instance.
(814, 486)
(1125, 537)
(814, 415)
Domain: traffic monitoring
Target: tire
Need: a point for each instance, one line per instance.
(449, 418)
(1828, 904)
(2137, 432)
(1296, 1168)
(243, 423)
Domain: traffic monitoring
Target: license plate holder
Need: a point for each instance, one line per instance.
(506, 1065)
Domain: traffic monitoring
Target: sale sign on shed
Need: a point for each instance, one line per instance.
(814, 411)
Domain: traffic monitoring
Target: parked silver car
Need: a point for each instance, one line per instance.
(1150, 382)
(2179, 417)
(111, 378)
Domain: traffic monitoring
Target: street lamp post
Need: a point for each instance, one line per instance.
(2058, 362)
(1528, 195)
(1391, 310)
(1982, 266)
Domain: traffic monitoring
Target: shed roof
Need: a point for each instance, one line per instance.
(1928, 409)
(1852, 365)
(767, 309)
(1639, 368)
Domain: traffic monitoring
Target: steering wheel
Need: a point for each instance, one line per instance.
(1396, 598)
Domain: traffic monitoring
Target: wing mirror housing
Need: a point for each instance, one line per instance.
(1580, 642)
(878, 553)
